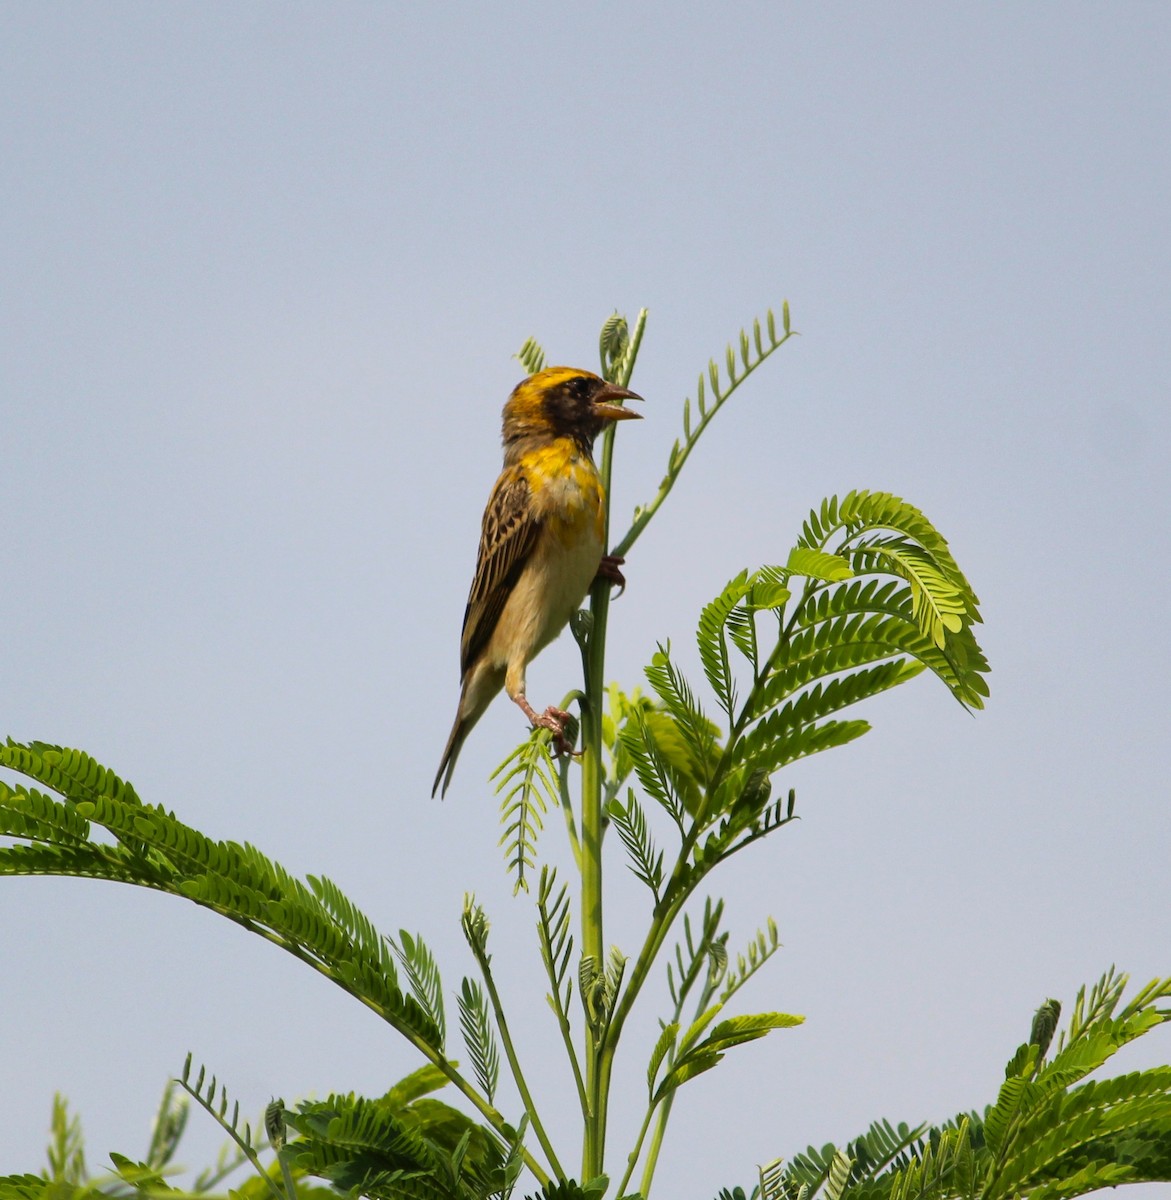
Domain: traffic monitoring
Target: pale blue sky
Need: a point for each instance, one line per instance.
(263, 270)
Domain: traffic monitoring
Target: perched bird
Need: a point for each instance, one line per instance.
(540, 544)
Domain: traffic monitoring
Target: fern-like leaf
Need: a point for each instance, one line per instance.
(653, 744)
(154, 849)
(212, 1097)
(663, 1047)
(762, 947)
(753, 352)
(527, 779)
(531, 356)
(631, 823)
(697, 732)
(693, 952)
(479, 1037)
(696, 1057)
(555, 938)
(423, 976)
(713, 644)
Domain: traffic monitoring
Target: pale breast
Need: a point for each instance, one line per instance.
(567, 499)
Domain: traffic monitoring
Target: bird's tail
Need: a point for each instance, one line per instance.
(474, 697)
(459, 731)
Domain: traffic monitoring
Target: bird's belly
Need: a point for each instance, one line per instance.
(548, 592)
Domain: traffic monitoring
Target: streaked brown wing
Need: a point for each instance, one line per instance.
(506, 540)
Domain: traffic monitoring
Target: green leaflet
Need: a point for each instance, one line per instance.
(839, 1176)
(768, 754)
(747, 963)
(156, 850)
(694, 1057)
(71, 773)
(713, 645)
(531, 356)
(419, 1083)
(786, 723)
(938, 603)
(865, 595)
(570, 1189)
(664, 763)
(479, 1037)
(631, 823)
(356, 924)
(423, 1151)
(555, 938)
(423, 975)
(816, 564)
(27, 813)
(665, 1045)
(942, 600)
(527, 779)
(1050, 1134)
(881, 1146)
(847, 640)
(696, 1029)
(692, 953)
(697, 733)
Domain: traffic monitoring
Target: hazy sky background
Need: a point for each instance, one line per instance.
(264, 267)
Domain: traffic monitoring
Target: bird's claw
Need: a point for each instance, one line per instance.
(553, 719)
(608, 569)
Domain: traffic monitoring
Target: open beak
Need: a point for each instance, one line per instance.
(608, 411)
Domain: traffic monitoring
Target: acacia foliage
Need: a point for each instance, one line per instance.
(1051, 1134)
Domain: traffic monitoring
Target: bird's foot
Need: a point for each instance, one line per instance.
(553, 719)
(608, 569)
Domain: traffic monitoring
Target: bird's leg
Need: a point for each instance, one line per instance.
(608, 568)
(552, 718)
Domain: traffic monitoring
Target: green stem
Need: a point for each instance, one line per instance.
(656, 935)
(566, 1037)
(684, 878)
(645, 512)
(488, 1111)
(592, 828)
(573, 697)
(287, 1176)
(705, 997)
(514, 1065)
(567, 809)
(208, 1106)
(591, 882)
(632, 1161)
(652, 1157)
(686, 982)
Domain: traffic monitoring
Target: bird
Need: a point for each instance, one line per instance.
(541, 543)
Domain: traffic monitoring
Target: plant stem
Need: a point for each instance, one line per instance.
(632, 1161)
(645, 512)
(594, 1142)
(591, 872)
(287, 1176)
(514, 1066)
(490, 1113)
(652, 1157)
(686, 982)
(570, 820)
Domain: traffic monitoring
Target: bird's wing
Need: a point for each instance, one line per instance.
(507, 539)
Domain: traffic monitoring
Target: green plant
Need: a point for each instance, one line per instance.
(868, 597)
(1052, 1133)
